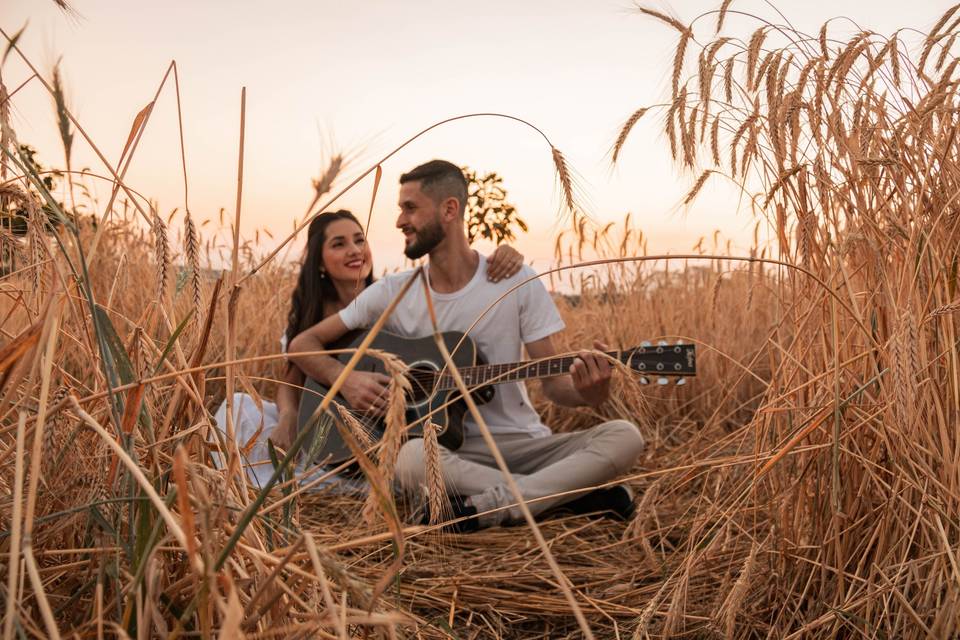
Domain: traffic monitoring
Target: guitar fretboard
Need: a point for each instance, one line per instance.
(513, 371)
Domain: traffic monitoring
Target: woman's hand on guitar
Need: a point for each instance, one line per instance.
(366, 391)
(503, 263)
(591, 375)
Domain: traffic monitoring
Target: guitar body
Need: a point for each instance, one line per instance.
(446, 409)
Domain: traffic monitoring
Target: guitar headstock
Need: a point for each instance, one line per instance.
(661, 361)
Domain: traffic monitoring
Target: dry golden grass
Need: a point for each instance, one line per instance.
(804, 484)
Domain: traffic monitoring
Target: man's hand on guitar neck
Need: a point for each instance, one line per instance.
(591, 375)
(589, 379)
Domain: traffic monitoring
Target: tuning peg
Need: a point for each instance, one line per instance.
(681, 382)
(662, 381)
(644, 380)
(662, 343)
(646, 343)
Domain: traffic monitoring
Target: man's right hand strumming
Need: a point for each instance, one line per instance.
(366, 391)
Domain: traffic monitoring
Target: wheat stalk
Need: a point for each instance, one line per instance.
(722, 14)
(943, 310)
(670, 128)
(360, 432)
(324, 183)
(678, 59)
(734, 600)
(895, 60)
(625, 131)
(673, 22)
(161, 256)
(753, 54)
(395, 420)
(728, 69)
(715, 141)
(436, 491)
(6, 132)
(640, 631)
(35, 241)
(678, 600)
(563, 174)
(191, 250)
(697, 186)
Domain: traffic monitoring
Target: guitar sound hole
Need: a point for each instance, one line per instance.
(422, 379)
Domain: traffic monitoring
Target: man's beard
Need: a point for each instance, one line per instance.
(425, 240)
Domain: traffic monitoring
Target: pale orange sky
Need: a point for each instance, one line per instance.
(370, 74)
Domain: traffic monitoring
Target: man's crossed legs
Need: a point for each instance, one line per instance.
(540, 466)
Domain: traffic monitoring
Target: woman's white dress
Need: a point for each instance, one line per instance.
(249, 418)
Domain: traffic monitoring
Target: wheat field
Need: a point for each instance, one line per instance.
(805, 484)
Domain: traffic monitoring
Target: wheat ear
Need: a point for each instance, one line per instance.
(625, 131)
(191, 249)
(723, 14)
(646, 615)
(361, 433)
(563, 173)
(161, 255)
(436, 492)
(324, 183)
(395, 422)
(943, 310)
(5, 129)
(697, 186)
(731, 605)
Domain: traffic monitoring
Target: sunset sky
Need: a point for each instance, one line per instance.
(365, 75)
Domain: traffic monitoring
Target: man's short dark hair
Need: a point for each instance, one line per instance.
(440, 180)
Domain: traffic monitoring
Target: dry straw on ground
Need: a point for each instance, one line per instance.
(805, 484)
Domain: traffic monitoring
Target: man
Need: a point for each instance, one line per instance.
(432, 203)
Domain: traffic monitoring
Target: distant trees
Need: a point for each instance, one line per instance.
(14, 214)
(488, 213)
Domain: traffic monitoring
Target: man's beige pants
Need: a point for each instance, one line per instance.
(541, 467)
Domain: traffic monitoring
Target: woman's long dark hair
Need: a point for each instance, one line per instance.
(313, 291)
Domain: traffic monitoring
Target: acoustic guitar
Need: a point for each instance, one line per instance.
(434, 395)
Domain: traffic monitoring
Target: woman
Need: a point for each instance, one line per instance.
(337, 266)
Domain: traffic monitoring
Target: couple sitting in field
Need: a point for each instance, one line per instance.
(463, 285)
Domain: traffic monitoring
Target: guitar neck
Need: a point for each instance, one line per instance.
(515, 371)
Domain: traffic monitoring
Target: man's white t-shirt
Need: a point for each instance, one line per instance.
(524, 315)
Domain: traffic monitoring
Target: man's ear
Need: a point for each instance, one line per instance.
(450, 209)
